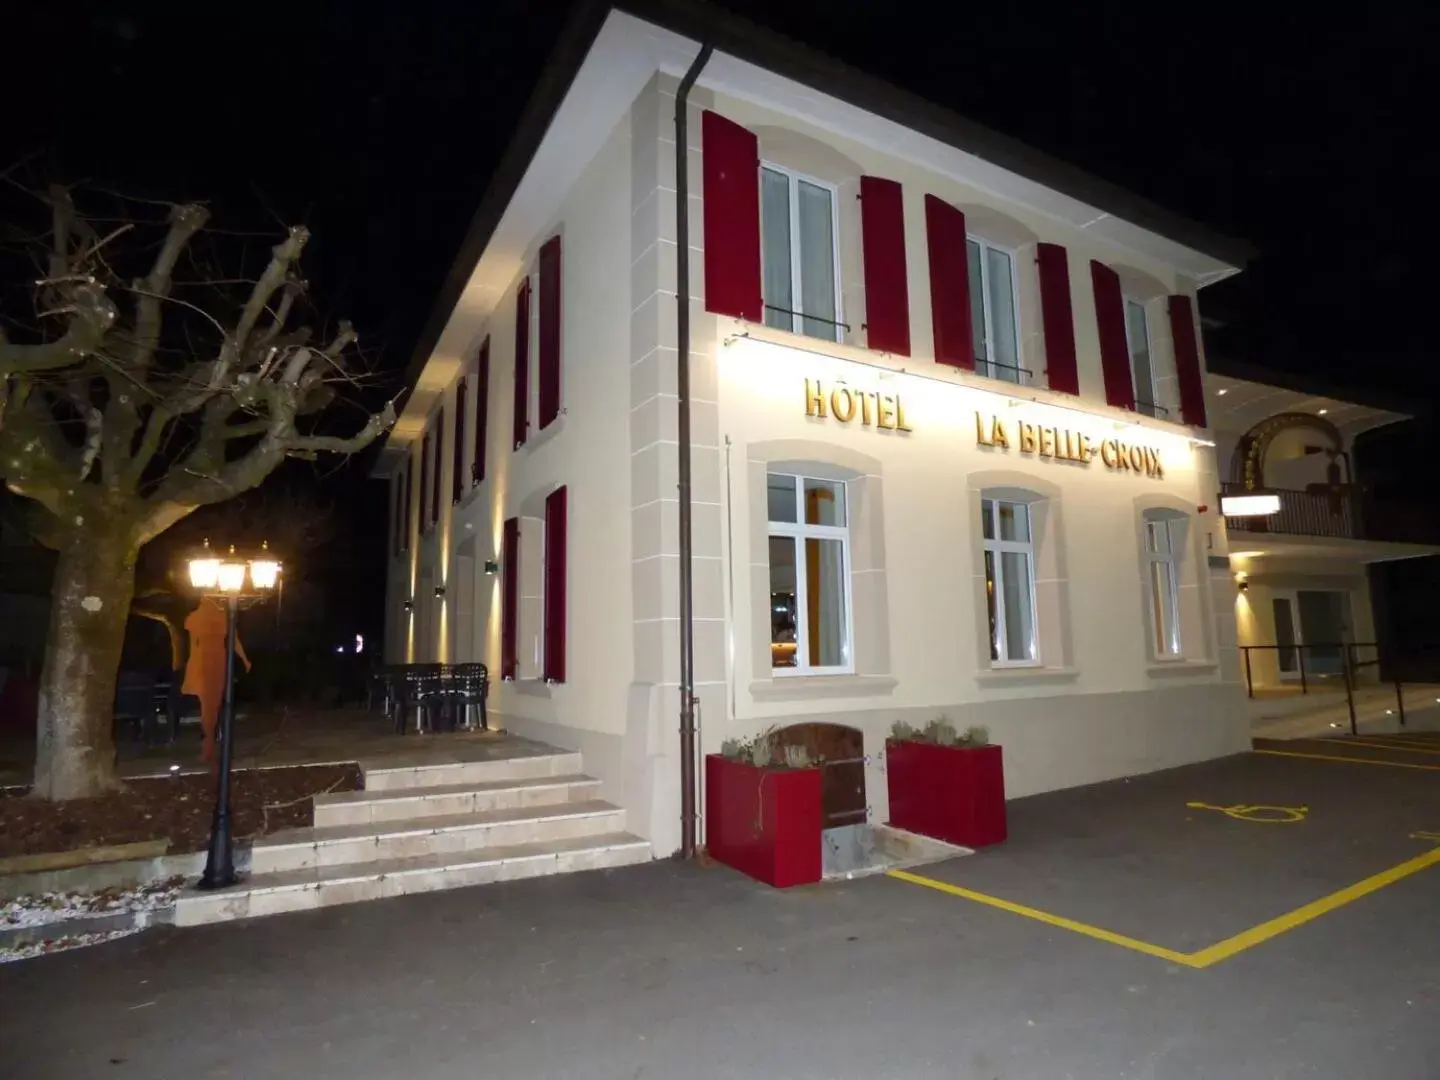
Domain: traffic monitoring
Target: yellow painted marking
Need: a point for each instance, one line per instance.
(1248, 939)
(1213, 954)
(1349, 760)
(1097, 932)
(1262, 815)
(1374, 741)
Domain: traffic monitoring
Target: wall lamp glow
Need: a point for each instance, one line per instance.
(408, 605)
(492, 567)
(439, 590)
(1255, 504)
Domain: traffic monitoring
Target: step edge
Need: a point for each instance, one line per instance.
(387, 831)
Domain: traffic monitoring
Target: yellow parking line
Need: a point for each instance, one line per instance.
(1213, 954)
(1349, 760)
(1248, 939)
(1099, 933)
(1377, 743)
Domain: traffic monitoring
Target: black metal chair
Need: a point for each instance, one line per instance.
(422, 689)
(137, 704)
(471, 685)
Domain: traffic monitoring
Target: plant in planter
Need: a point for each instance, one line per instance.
(763, 810)
(946, 784)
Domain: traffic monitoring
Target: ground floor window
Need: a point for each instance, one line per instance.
(809, 557)
(1010, 581)
(1164, 539)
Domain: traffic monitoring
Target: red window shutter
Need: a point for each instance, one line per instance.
(555, 522)
(1057, 318)
(1114, 350)
(439, 472)
(405, 479)
(1187, 361)
(522, 363)
(482, 413)
(509, 598)
(549, 332)
(731, 171)
(949, 284)
(424, 481)
(457, 478)
(887, 294)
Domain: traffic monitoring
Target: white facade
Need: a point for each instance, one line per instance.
(1115, 679)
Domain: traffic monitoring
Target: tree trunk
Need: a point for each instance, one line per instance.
(94, 584)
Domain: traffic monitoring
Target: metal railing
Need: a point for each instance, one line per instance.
(1302, 513)
(1312, 663)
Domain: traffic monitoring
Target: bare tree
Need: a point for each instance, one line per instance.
(141, 408)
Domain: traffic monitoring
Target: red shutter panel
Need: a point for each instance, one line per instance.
(731, 171)
(406, 483)
(482, 413)
(1057, 318)
(439, 470)
(887, 294)
(549, 331)
(949, 284)
(522, 363)
(1187, 361)
(509, 598)
(424, 481)
(555, 522)
(457, 478)
(1114, 350)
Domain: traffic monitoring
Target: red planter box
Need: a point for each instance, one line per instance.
(764, 822)
(953, 793)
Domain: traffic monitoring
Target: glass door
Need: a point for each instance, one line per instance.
(1287, 634)
(1325, 626)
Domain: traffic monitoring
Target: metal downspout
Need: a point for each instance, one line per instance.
(682, 394)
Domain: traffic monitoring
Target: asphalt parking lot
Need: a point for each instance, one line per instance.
(1083, 948)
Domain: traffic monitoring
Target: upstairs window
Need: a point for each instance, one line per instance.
(809, 575)
(1009, 545)
(799, 254)
(1137, 338)
(994, 317)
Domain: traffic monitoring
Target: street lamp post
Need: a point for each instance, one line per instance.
(232, 579)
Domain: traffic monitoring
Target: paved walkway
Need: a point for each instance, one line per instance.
(676, 971)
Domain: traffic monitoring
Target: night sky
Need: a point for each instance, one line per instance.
(378, 125)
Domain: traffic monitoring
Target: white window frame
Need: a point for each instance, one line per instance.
(996, 547)
(1146, 397)
(1170, 525)
(793, 177)
(1021, 375)
(797, 531)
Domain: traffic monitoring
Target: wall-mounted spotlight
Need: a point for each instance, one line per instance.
(439, 590)
(408, 605)
(1242, 581)
(492, 567)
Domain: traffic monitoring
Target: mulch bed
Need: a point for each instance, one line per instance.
(177, 808)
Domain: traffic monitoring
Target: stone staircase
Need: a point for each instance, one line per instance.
(418, 828)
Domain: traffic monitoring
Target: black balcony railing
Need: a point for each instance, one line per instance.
(1302, 513)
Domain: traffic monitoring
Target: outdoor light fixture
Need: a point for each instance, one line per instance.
(439, 590)
(1253, 504)
(233, 578)
(1322, 412)
(408, 605)
(492, 567)
(1221, 393)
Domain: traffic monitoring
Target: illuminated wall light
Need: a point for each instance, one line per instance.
(1254, 505)
(1221, 393)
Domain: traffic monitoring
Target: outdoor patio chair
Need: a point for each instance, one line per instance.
(471, 684)
(138, 705)
(423, 690)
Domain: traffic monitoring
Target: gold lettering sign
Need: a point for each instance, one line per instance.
(869, 408)
(1064, 444)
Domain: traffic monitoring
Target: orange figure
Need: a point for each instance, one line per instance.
(205, 670)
